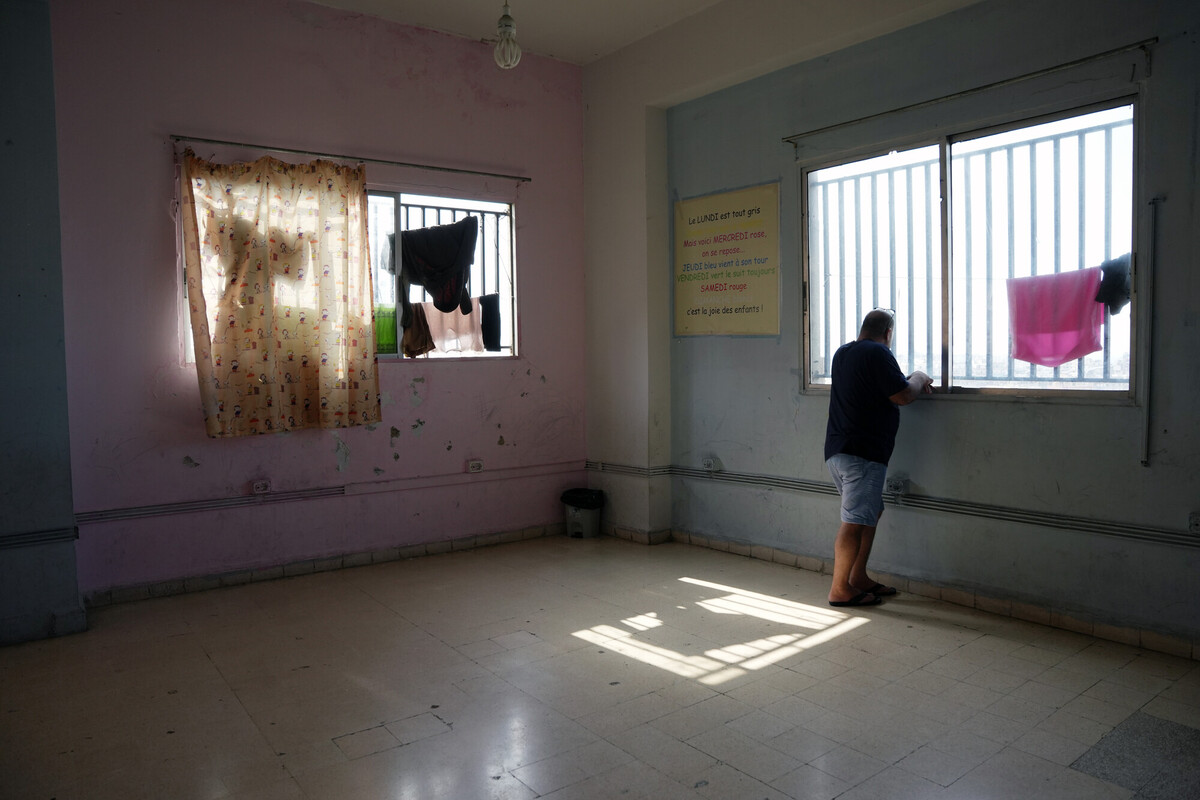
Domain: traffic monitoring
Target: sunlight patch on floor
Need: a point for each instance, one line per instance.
(810, 626)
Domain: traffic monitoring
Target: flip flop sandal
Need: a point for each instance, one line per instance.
(860, 599)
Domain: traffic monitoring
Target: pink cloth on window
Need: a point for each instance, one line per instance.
(1055, 318)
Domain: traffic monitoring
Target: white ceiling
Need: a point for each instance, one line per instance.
(575, 31)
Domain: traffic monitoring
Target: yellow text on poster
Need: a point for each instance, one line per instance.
(727, 263)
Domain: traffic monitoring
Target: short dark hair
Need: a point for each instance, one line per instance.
(877, 324)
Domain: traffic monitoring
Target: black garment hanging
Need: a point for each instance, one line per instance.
(489, 310)
(438, 258)
(1115, 285)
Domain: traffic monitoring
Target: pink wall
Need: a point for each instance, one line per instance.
(128, 74)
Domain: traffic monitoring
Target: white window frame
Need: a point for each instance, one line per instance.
(945, 381)
(494, 267)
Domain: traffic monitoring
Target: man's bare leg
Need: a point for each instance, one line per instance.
(858, 570)
(851, 550)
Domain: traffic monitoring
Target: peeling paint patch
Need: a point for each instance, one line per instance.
(418, 425)
(449, 446)
(395, 435)
(343, 453)
(395, 456)
(188, 461)
(501, 442)
(378, 471)
(372, 426)
(416, 398)
(543, 379)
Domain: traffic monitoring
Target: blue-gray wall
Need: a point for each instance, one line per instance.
(38, 592)
(1043, 503)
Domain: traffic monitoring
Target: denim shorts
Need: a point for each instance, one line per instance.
(860, 483)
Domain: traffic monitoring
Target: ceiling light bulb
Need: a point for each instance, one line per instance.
(508, 52)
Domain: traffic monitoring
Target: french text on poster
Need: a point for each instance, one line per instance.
(727, 263)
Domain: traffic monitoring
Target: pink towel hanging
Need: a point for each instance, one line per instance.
(1055, 318)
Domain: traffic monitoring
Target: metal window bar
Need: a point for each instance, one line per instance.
(1108, 212)
(1011, 216)
(821, 219)
(1057, 218)
(841, 217)
(969, 256)
(932, 172)
(910, 257)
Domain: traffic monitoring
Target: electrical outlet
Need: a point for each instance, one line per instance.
(1194, 522)
(897, 485)
(707, 463)
(475, 465)
(262, 486)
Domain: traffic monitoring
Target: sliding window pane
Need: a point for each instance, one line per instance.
(874, 241)
(1039, 201)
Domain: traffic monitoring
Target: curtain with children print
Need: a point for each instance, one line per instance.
(279, 286)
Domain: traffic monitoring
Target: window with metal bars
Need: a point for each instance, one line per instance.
(491, 275)
(1031, 200)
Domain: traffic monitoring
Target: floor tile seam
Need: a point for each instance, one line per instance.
(381, 726)
(1010, 697)
(1052, 686)
(1133, 703)
(241, 704)
(908, 771)
(889, 760)
(720, 761)
(1153, 696)
(1003, 751)
(849, 781)
(835, 779)
(641, 760)
(1158, 715)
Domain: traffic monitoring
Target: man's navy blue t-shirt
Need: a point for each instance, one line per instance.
(862, 419)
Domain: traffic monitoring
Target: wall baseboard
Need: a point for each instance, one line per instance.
(1005, 607)
(145, 591)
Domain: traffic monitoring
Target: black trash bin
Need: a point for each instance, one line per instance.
(582, 508)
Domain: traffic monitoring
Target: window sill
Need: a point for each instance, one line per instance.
(1118, 398)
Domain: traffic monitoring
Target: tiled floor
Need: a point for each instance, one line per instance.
(568, 669)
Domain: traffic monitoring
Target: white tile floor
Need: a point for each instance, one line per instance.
(568, 669)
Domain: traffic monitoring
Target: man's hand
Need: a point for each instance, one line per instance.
(918, 384)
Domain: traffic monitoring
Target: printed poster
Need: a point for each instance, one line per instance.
(727, 263)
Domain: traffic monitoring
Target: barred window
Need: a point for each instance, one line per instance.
(490, 283)
(1031, 201)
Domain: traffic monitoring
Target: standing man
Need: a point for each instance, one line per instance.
(864, 415)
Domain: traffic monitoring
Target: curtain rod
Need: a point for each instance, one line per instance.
(1142, 45)
(197, 140)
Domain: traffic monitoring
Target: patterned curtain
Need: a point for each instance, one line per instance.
(279, 284)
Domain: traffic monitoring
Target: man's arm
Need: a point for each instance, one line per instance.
(918, 384)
